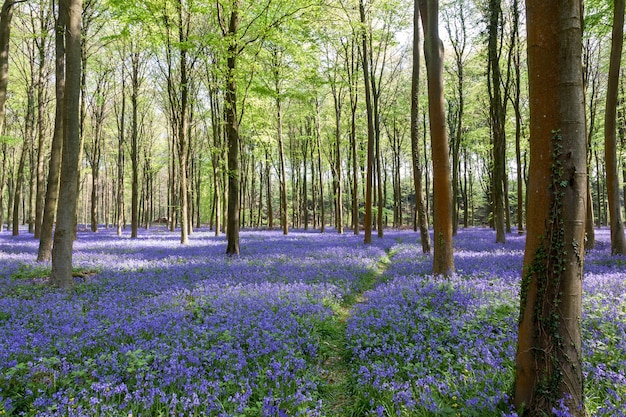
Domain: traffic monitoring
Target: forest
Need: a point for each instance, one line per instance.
(316, 124)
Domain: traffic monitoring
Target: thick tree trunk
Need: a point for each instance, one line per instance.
(548, 362)
(68, 192)
(618, 240)
(54, 167)
(443, 261)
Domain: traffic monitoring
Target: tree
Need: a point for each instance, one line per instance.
(367, 228)
(421, 218)
(443, 261)
(497, 117)
(548, 360)
(54, 166)
(618, 240)
(68, 191)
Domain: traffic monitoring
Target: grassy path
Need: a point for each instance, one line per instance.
(336, 390)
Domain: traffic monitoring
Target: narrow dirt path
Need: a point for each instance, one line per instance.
(336, 390)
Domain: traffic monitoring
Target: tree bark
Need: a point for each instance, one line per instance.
(68, 192)
(497, 121)
(548, 361)
(281, 147)
(318, 134)
(618, 240)
(421, 221)
(232, 133)
(367, 227)
(54, 166)
(443, 261)
(42, 96)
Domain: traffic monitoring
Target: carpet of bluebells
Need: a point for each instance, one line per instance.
(154, 328)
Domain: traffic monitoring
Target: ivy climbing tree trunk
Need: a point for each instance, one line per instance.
(618, 241)
(443, 261)
(548, 360)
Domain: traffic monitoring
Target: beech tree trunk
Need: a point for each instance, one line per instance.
(370, 131)
(42, 96)
(232, 131)
(68, 192)
(421, 218)
(548, 360)
(443, 261)
(54, 167)
(497, 114)
(618, 240)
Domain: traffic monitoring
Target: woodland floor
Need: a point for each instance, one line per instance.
(306, 324)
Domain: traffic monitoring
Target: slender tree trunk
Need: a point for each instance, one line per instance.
(420, 209)
(68, 192)
(497, 121)
(370, 130)
(318, 133)
(6, 15)
(518, 121)
(17, 196)
(135, 82)
(281, 146)
(338, 179)
(268, 179)
(232, 134)
(54, 167)
(618, 240)
(119, 203)
(40, 198)
(548, 361)
(443, 261)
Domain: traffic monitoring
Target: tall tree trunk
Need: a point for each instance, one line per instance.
(370, 130)
(518, 121)
(318, 134)
(281, 146)
(54, 167)
(68, 192)
(6, 15)
(42, 96)
(497, 121)
(268, 180)
(548, 361)
(119, 203)
(338, 189)
(421, 218)
(135, 82)
(17, 196)
(618, 240)
(443, 260)
(232, 133)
